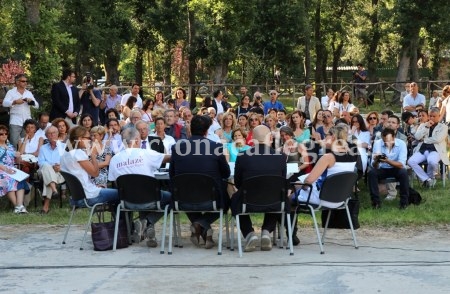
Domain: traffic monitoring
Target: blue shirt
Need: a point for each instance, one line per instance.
(397, 153)
(268, 105)
(49, 155)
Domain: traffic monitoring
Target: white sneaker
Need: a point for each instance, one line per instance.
(390, 198)
(20, 209)
(251, 241)
(266, 241)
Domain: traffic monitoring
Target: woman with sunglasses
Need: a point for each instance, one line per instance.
(326, 125)
(372, 121)
(340, 158)
(8, 186)
(254, 120)
(81, 161)
(361, 137)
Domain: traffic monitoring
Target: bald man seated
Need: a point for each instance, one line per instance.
(259, 160)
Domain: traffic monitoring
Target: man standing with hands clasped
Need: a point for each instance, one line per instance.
(65, 99)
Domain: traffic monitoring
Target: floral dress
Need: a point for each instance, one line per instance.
(102, 178)
(7, 183)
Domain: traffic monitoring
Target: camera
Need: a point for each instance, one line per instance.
(32, 103)
(89, 84)
(380, 157)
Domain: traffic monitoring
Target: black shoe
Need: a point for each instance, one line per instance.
(376, 205)
(295, 240)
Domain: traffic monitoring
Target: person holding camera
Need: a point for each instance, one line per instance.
(90, 99)
(19, 99)
(360, 77)
(388, 161)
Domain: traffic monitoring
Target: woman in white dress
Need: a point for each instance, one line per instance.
(345, 104)
(361, 137)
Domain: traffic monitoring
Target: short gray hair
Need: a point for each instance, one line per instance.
(130, 135)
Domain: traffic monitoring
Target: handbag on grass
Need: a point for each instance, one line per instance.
(338, 218)
(103, 233)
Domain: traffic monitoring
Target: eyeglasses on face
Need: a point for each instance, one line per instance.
(23, 81)
(372, 118)
(328, 116)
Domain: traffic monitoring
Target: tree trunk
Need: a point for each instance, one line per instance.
(111, 68)
(138, 65)
(413, 51)
(403, 67)
(33, 17)
(337, 52)
(307, 30)
(191, 58)
(374, 41)
(320, 50)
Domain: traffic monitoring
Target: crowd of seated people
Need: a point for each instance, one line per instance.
(302, 139)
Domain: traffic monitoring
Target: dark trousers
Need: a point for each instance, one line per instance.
(246, 226)
(400, 174)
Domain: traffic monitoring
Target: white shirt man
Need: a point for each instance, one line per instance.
(413, 99)
(134, 92)
(18, 99)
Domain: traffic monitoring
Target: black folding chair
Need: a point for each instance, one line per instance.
(193, 192)
(77, 193)
(336, 189)
(140, 189)
(264, 194)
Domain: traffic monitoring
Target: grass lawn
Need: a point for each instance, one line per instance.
(432, 212)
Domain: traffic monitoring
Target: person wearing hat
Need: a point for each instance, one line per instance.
(309, 104)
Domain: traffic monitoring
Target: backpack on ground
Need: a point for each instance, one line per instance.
(414, 197)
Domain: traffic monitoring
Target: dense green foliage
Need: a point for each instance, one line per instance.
(180, 42)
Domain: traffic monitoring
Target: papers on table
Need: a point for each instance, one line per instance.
(292, 168)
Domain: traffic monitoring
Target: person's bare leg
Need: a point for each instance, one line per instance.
(46, 206)
(12, 198)
(19, 194)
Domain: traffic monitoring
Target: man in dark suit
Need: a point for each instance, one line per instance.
(203, 156)
(65, 99)
(260, 160)
(219, 105)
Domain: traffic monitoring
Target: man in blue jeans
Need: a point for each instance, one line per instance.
(144, 162)
(388, 161)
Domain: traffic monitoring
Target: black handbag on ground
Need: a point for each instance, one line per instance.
(338, 218)
(103, 234)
